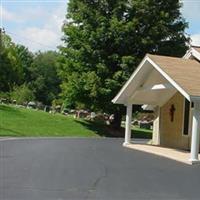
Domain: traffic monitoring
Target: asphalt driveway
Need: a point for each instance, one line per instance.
(58, 169)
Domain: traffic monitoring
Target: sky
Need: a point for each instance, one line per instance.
(37, 23)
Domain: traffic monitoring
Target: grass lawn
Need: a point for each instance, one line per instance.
(141, 133)
(16, 122)
(21, 122)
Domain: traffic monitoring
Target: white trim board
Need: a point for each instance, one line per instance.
(129, 80)
(157, 67)
(192, 52)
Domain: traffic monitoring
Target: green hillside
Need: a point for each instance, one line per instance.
(17, 122)
(21, 122)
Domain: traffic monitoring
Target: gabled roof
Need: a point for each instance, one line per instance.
(183, 74)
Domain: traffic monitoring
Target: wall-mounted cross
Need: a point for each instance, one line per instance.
(172, 111)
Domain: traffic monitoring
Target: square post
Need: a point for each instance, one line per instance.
(128, 124)
(195, 133)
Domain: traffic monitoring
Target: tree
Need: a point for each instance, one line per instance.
(43, 77)
(27, 73)
(6, 72)
(104, 40)
(26, 59)
(11, 71)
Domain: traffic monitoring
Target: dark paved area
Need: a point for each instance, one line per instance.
(58, 169)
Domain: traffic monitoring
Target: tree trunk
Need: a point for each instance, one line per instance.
(118, 113)
(117, 120)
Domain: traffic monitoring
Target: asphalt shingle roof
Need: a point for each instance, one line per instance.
(185, 72)
(197, 49)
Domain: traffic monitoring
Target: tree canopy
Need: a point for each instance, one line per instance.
(44, 79)
(11, 72)
(104, 40)
(29, 75)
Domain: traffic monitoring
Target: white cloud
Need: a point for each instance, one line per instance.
(39, 39)
(34, 13)
(10, 16)
(195, 39)
(47, 37)
(42, 29)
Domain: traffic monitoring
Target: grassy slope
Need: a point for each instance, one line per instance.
(22, 122)
(18, 122)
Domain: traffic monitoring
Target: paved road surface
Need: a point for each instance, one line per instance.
(80, 169)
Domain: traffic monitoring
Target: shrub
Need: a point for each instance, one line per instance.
(22, 94)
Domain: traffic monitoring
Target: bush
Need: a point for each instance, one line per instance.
(4, 95)
(22, 94)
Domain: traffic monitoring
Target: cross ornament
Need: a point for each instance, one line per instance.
(172, 111)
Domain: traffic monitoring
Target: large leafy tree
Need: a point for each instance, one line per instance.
(6, 72)
(26, 59)
(11, 72)
(44, 79)
(104, 40)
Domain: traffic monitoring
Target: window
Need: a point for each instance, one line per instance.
(186, 119)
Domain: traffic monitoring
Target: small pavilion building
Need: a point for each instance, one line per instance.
(172, 86)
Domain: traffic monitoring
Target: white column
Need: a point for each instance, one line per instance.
(156, 127)
(195, 133)
(128, 124)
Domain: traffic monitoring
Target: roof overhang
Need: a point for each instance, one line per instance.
(149, 84)
(192, 53)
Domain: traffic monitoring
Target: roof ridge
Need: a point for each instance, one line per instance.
(158, 55)
(195, 46)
